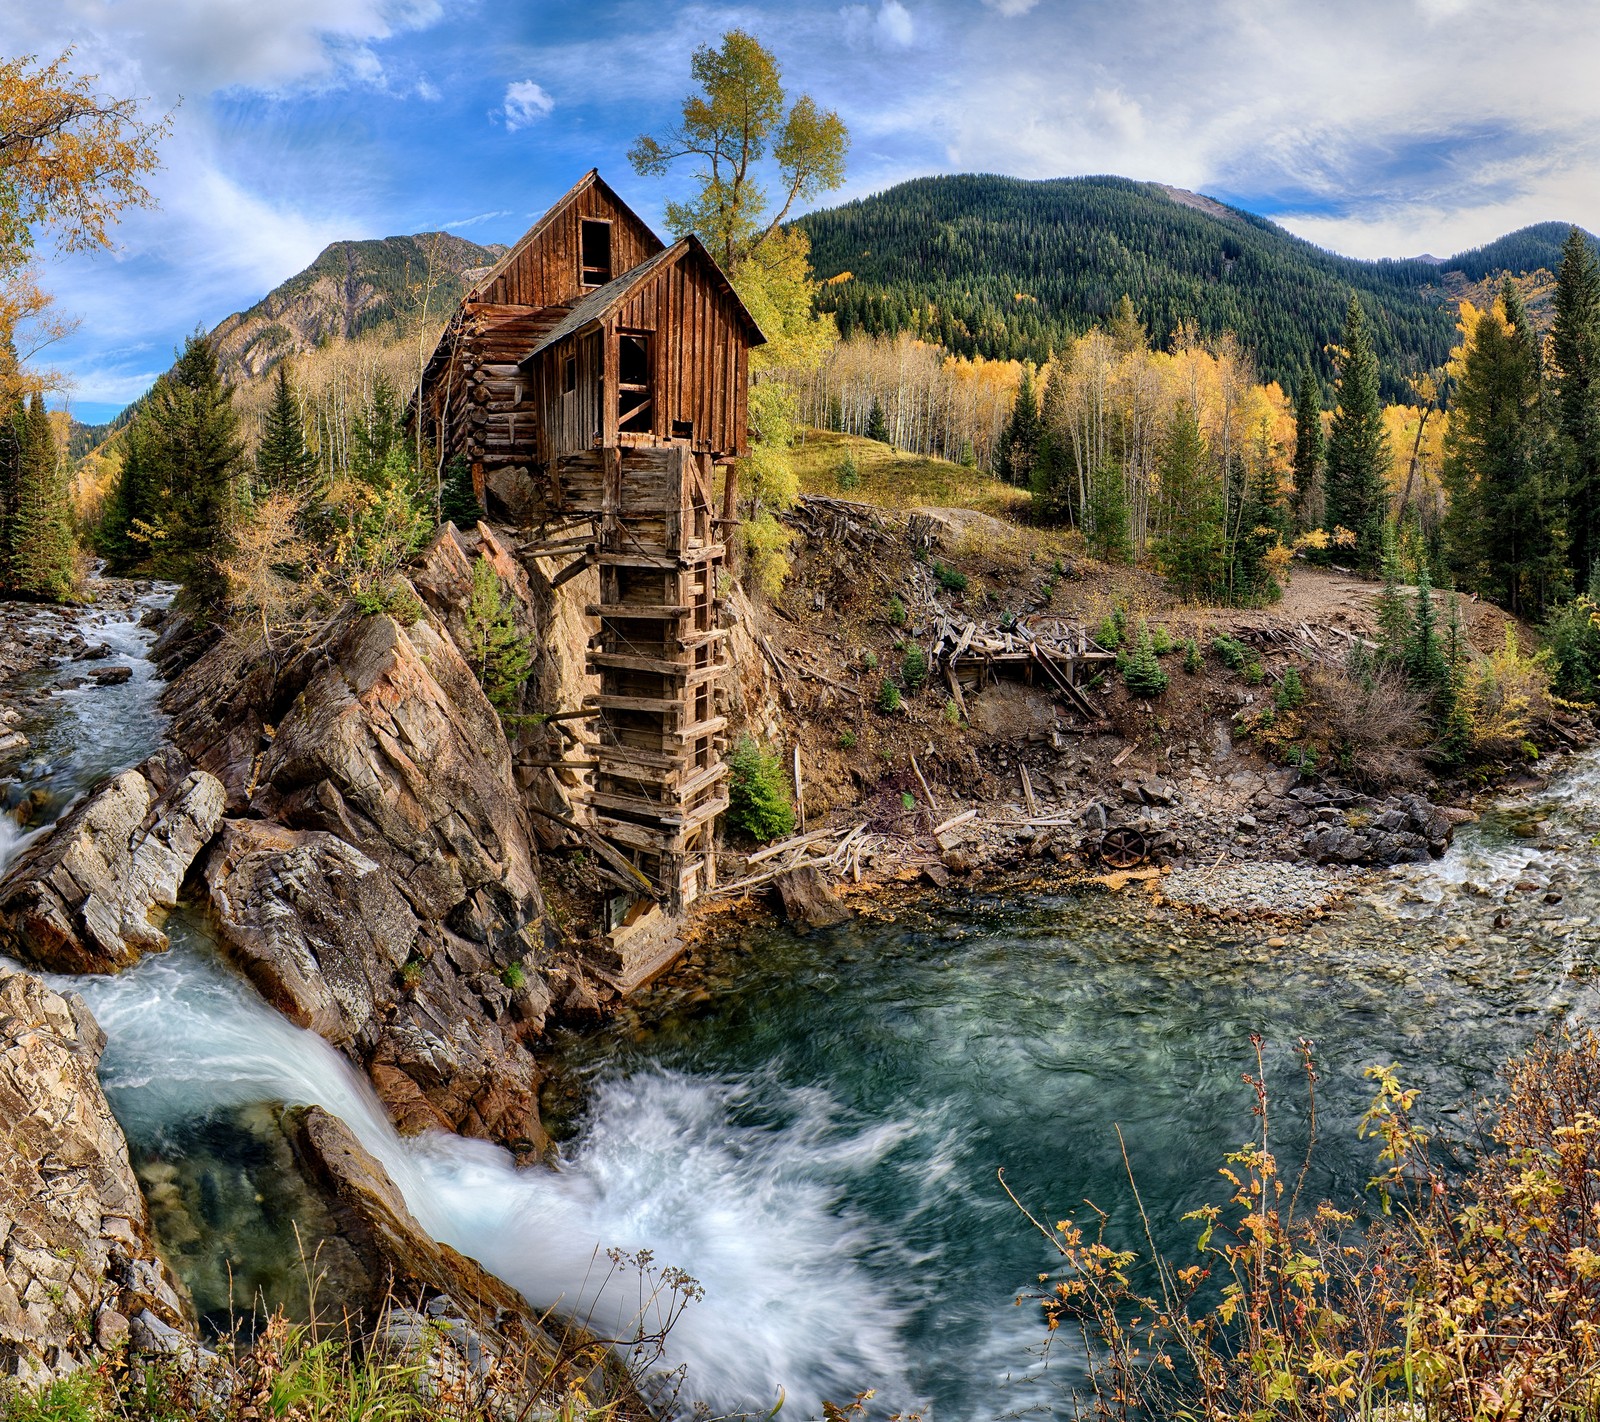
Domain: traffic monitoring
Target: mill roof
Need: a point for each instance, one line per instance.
(601, 303)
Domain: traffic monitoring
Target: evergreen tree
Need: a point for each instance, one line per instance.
(1501, 532)
(1191, 550)
(1308, 448)
(458, 502)
(1107, 523)
(12, 424)
(1257, 525)
(43, 554)
(378, 434)
(1575, 370)
(282, 459)
(1394, 622)
(1020, 441)
(196, 452)
(1358, 445)
(1426, 667)
(877, 426)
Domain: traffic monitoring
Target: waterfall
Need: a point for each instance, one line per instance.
(755, 1214)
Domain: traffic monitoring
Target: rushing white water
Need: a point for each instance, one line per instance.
(756, 1213)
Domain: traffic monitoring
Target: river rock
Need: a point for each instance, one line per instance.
(809, 900)
(415, 1277)
(80, 899)
(76, 1258)
(333, 944)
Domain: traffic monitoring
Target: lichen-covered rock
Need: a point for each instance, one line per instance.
(76, 1261)
(81, 898)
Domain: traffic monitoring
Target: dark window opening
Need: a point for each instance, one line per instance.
(569, 375)
(595, 252)
(683, 429)
(633, 384)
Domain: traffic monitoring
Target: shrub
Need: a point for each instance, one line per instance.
(496, 651)
(766, 550)
(1141, 672)
(513, 976)
(895, 612)
(1161, 640)
(847, 740)
(1192, 660)
(1231, 652)
(847, 474)
(392, 596)
(1290, 692)
(1473, 1297)
(1373, 729)
(950, 579)
(952, 714)
(888, 696)
(760, 806)
(1506, 698)
(869, 659)
(914, 669)
(1573, 636)
(1113, 631)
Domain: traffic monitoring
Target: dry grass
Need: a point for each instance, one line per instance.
(894, 480)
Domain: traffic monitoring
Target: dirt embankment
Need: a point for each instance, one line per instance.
(1018, 771)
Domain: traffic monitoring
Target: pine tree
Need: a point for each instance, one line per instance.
(43, 554)
(877, 426)
(1501, 531)
(1358, 445)
(196, 452)
(1426, 667)
(282, 460)
(1453, 716)
(1394, 622)
(499, 654)
(12, 418)
(1020, 442)
(1192, 548)
(1308, 449)
(1575, 370)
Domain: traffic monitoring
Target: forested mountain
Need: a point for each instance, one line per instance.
(1003, 267)
(352, 288)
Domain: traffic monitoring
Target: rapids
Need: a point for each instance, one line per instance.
(817, 1139)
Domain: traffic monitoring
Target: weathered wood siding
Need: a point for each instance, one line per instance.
(699, 353)
(543, 269)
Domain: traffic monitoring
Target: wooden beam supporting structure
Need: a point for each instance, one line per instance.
(660, 660)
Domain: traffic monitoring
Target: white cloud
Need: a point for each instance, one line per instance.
(894, 24)
(196, 47)
(1010, 8)
(526, 102)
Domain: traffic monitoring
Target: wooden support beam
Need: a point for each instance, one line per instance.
(639, 611)
(567, 574)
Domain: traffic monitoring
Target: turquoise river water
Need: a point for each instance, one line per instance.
(812, 1127)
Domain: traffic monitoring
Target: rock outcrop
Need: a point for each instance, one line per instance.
(424, 1293)
(376, 876)
(77, 1268)
(82, 899)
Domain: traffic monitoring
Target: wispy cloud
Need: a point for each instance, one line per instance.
(526, 102)
(474, 221)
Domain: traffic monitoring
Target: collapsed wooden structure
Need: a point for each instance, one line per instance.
(594, 380)
(971, 654)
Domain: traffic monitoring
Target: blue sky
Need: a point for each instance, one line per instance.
(1376, 127)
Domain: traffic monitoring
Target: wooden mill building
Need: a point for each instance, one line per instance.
(594, 379)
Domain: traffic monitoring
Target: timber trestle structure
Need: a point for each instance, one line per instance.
(596, 379)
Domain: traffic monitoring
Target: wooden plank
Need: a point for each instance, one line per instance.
(640, 611)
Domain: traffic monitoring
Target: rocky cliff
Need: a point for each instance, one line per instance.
(78, 1270)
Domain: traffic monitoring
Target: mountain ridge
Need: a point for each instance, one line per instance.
(1177, 254)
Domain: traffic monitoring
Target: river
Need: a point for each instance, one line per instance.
(816, 1139)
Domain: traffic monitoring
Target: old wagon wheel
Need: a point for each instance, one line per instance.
(1123, 847)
